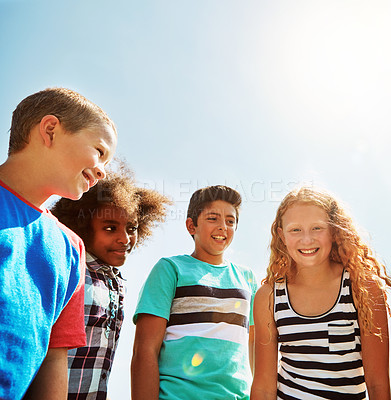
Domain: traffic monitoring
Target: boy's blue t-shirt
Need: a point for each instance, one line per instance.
(204, 354)
(39, 271)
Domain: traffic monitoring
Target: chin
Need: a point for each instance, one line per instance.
(117, 263)
(71, 195)
(77, 196)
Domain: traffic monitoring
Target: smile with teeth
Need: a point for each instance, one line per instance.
(217, 237)
(309, 251)
(88, 179)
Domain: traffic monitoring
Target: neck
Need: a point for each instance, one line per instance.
(208, 258)
(22, 177)
(316, 274)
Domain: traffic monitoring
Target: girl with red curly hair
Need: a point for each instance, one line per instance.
(320, 316)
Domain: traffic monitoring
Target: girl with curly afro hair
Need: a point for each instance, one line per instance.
(112, 218)
(323, 305)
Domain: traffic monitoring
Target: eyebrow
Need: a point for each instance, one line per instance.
(219, 214)
(114, 221)
(110, 221)
(314, 223)
(132, 223)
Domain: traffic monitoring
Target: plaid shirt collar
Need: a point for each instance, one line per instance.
(96, 265)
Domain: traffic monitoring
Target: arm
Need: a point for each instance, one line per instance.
(51, 381)
(264, 385)
(375, 352)
(150, 331)
(251, 347)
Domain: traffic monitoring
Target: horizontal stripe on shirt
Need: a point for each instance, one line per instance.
(215, 317)
(208, 291)
(322, 394)
(316, 349)
(337, 316)
(342, 366)
(331, 381)
(206, 304)
(233, 333)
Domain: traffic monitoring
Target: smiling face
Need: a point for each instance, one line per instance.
(81, 158)
(114, 234)
(307, 235)
(214, 232)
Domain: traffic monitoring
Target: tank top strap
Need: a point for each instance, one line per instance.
(346, 295)
(280, 296)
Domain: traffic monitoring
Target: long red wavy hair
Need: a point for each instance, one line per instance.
(348, 249)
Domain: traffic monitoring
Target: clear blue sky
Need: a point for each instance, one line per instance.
(259, 95)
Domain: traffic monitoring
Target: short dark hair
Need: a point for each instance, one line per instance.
(207, 195)
(73, 110)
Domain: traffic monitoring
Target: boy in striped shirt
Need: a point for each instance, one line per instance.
(194, 315)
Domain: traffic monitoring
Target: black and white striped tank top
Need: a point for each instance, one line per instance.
(320, 355)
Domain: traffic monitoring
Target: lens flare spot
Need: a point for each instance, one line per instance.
(237, 304)
(196, 360)
(195, 363)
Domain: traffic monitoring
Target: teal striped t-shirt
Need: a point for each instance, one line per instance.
(208, 309)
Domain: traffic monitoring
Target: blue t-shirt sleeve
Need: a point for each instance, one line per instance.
(158, 291)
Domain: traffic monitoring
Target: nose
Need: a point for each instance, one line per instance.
(100, 172)
(223, 225)
(306, 238)
(123, 237)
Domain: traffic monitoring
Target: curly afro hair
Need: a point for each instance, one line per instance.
(119, 189)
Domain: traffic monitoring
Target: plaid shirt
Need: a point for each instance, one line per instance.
(89, 367)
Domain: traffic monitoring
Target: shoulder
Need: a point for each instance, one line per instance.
(241, 267)
(179, 259)
(246, 273)
(166, 269)
(179, 263)
(265, 290)
(264, 309)
(73, 238)
(376, 289)
(264, 295)
(244, 269)
(373, 284)
(171, 263)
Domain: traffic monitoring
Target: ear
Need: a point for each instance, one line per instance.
(47, 128)
(281, 234)
(190, 226)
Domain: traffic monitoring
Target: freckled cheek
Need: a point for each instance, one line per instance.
(292, 245)
(231, 236)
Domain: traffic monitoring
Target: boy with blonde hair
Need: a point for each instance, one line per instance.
(60, 143)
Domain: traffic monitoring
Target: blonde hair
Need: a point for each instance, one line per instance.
(348, 249)
(73, 110)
